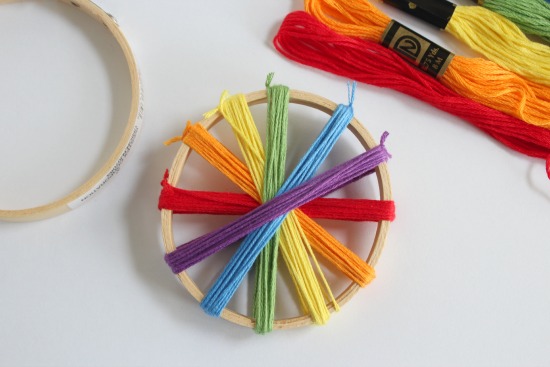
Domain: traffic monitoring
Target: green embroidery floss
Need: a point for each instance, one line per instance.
(274, 175)
(531, 16)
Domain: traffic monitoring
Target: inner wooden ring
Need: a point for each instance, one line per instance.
(364, 137)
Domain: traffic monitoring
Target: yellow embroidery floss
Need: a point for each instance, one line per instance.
(293, 244)
(475, 78)
(489, 33)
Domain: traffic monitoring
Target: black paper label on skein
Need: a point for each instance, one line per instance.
(426, 55)
(436, 12)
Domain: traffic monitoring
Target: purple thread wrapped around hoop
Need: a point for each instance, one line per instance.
(198, 249)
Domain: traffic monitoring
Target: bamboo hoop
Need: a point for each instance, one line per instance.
(89, 188)
(364, 137)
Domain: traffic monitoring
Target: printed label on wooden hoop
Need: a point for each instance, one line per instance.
(118, 163)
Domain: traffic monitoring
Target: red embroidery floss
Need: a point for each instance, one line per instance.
(306, 40)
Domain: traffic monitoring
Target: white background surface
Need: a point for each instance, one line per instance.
(463, 279)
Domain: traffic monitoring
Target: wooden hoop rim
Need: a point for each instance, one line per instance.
(324, 105)
(87, 190)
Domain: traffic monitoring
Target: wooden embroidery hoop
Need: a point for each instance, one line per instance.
(321, 104)
(89, 188)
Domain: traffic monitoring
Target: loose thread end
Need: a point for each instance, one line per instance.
(352, 86)
(165, 178)
(173, 140)
(269, 79)
(383, 141)
(384, 137)
(548, 166)
(165, 188)
(212, 112)
(179, 138)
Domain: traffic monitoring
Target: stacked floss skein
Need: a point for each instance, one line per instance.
(489, 33)
(304, 39)
(531, 16)
(476, 78)
(274, 218)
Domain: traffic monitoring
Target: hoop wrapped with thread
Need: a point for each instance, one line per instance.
(300, 238)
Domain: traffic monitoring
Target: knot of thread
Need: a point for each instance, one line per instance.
(179, 138)
(269, 79)
(212, 112)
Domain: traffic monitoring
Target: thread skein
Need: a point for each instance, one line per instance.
(304, 39)
(475, 78)
(487, 32)
(278, 97)
(531, 16)
(501, 41)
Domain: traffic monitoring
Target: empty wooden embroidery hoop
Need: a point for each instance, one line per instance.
(360, 132)
(89, 188)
